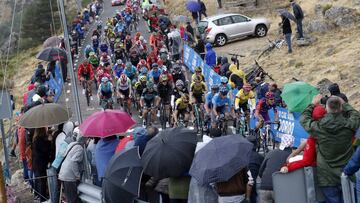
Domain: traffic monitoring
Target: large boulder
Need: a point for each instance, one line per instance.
(319, 25)
(342, 16)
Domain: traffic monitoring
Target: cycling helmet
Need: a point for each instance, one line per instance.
(142, 62)
(119, 61)
(223, 90)
(179, 83)
(197, 79)
(163, 78)
(128, 65)
(224, 80)
(154, 65)
(102, 63)
(94, 37)
(92, 53)
(269, 95)
(143, 78)
(123, 79)
(233, 59)
(88, 46)
(215, 87)
(185, 98)
(96, 17)
(104, 79)
(150, 85)
(143, 70)
(198, 69)
(247, 87)
(177, 69)
(104, 55)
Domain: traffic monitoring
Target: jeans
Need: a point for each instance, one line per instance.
(299, 28)
(332, 194)
(288, 41)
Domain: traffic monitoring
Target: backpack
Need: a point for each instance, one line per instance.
(58, 166)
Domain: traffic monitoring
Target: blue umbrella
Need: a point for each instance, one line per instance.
(193, 6)
(221, 159)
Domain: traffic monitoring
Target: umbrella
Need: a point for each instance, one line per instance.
(170, 153)
(181, 19)
(122, 177)
(51, 54)
(53, 41)
(44, 115)
(298, 95)
(106, 123)
(287, 14)
(193, 6)
(221, 159)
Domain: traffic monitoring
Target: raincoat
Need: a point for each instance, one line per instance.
(210, 56)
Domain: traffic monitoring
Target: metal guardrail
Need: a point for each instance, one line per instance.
(90, 193)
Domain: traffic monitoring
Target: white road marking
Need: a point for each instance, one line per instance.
(67, 99)
(68, 91)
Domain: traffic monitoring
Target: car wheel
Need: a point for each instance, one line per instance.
(220, 39)
(261, 30)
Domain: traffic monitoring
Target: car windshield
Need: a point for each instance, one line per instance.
(202, 26)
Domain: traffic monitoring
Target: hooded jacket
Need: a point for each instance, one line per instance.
(61, 143)
(335, 90)
(210, 56)
(333, 135)
(224, 69)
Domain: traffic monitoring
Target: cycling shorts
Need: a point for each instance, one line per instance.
(199, 98)
(126, 93)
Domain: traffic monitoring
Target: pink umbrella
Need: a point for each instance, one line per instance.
(106, 123)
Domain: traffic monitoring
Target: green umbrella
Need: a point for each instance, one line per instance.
(44, 115)
(298, 95)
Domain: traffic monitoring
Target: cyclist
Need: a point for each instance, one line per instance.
(221, 106)
(139, 87)
(105, 92)
(155, 73)
(95, 43)
(178, 91)
(93, 59)
(182, 107)
(142, 63)
(198, 72)
(224, 83)
(149, 101)
(209, 97)
(118, 69)
(241, 100)
(144, 72)
(119, 50)
(197, 90)
(262, 108)
(86, 74)
(165, 89)
(87, 50)
(124, 91)
(130, 71)
(104, 48)
(105, 58)
(178, 73)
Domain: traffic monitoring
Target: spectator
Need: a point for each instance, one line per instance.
(254, 166)
(272, 163)
(335, 90)
(41, 157)
(219, 3)
(210, 57)
(334, 135)
(218, 65)
(277, 93)
(352, 167)
(309, 156)
(261, 88)
(203, 9)
(286, 29)
(104, 150)
(21, 133)
(200, 47)
(71, 169)
(224, 69)
(91, 158)
(299, 15)
(190, 29)
(195, 16)
(179, 189)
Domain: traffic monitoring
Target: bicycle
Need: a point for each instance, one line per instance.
(241, 125)
(106, 103)
(222, 123)
(124, 102)
(267, 137)
(149, 115)
(86, 86)
(198, 118)
(164, 116)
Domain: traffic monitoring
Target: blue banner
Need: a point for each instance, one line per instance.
(56, 84)
(192, 60)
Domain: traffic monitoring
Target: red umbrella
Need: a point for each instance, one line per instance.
(106, 123)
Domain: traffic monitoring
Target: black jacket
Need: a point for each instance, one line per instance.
(203, 7)
(298, 13)
(254, 166)
(273, 162)
(286, 26)
(41, 153)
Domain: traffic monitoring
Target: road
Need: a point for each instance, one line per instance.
(67, 98)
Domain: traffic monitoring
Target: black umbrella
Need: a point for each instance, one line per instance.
(221, 159)
(52, 54)
(170, 153)
(122, 177)
(287, 14)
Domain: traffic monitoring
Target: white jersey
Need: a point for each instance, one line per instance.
(123, 87)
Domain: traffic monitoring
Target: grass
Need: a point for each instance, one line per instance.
(325, 8)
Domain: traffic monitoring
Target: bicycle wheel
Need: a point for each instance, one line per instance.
(162, 117)
(148, 119)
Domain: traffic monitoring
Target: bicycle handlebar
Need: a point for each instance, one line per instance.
(273, 123)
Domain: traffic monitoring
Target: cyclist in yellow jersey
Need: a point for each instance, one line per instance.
(241, 100)
(197, 90)
(198, 72)
(183, 107)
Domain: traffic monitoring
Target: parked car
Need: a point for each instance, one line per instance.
(117, 2)
(219, 29)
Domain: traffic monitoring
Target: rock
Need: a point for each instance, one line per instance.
(318, 10)
(354, 96)
(318, 25)
(342, 16)
(323, 86)
(330, 51)
(303, 42)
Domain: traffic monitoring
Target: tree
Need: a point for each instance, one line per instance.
(37, 23)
